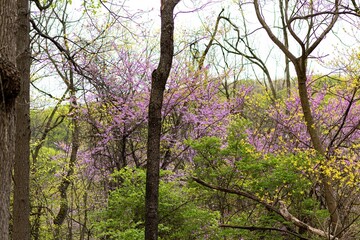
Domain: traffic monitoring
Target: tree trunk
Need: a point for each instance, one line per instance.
(300, 67)
(75, 143)
(36, 224)
(64, 206)
(9, 88)
(286, 45)
(64, 185)
(329, 192)
(21, 208)
(158, 81)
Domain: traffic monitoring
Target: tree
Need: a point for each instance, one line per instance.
(57, 52)
(240, 46)
(271, 185)
(99, 126)
(9, 89)
(158, 82)
(21, 206)
(331, 124)
(320, 23)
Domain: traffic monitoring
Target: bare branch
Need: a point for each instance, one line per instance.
(326, 31)
(283, 212)
(288, 216)
(240, 193)
(254, 228)
(42, 7)
(271, 34)
(208, 46)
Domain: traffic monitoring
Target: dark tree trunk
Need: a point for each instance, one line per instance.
(9, 88)
(158, 81)
(21, 208)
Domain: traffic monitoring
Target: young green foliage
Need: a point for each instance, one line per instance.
(180, 215)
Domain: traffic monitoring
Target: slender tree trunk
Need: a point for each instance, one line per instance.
(64, 206)
(84, 230)
(158, 81)
(286, 45)
(75, 142)
(64, 185)
(21, 208)
(9, 88)
(36, 224)
(329, 192)
(300, 67)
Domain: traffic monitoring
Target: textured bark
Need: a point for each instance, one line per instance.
(21, 208)
(9, 88)
(158, 81)
(7, 140)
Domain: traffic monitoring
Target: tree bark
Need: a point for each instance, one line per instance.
(158, 81)
(329, 192)
(9, 88)
(21, 208)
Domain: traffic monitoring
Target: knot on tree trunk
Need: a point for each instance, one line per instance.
(9, 79)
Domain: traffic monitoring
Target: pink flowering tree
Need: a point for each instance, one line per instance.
(117, 111)
(336, 111)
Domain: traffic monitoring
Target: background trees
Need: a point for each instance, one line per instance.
(242, 152)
